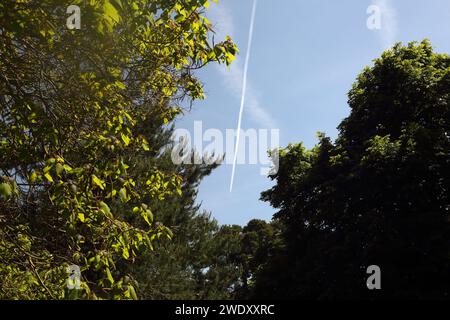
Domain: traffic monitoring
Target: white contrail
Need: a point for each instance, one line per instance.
(244, 88)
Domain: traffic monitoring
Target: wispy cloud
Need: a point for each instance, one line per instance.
(222, 18)
(389, 23)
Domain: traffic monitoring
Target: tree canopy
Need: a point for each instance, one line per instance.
(378, 195)
(71, 102)
(87, 179)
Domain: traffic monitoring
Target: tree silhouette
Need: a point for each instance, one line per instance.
(378, 195)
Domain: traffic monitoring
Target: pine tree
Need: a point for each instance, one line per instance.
(199, 262)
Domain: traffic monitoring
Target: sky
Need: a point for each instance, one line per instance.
(304, 57)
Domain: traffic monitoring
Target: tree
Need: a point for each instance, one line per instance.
(71, 102)
(378, 195)
(260, 244)
(198, 262)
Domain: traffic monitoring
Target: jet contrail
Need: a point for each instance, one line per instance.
(244, 89)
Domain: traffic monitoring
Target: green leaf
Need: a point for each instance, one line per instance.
(148, 242)
(125, 253)
(111, 11)
(123, 195)
(33, 177)
(98, 182)
(48, 177)
(5, 190)
(147, 215)
(109, 276)
(59, 168)
(132, 292)
(125, 139)
(81, 217)
(105, 209)
(120, 85)
(145, 146)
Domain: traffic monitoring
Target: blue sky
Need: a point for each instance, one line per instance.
(305, 56)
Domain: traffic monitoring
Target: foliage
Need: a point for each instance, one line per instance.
(70, 102)
(260, 245)
(198, 263)
(378, 195)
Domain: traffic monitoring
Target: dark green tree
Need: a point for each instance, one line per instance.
(200, 261)
(378, 195)
(261, 243)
